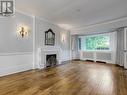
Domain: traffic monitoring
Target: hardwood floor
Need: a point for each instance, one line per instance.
(76, 78)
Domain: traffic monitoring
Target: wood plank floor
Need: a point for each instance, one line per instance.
(76, 78)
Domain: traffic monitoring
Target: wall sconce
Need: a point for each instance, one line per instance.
(23, 32)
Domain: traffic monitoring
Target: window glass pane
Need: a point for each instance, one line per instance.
(79, 43)
(95, 42)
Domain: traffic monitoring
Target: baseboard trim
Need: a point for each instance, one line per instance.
(101, 62)
(65, 62)
(76, 59)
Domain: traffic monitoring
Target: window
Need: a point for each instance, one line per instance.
(95, 42)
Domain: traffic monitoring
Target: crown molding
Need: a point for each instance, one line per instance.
(43, 19)
(98, 24)
(24, 13)
(51, 22)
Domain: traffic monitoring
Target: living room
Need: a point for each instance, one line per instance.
(70, 47)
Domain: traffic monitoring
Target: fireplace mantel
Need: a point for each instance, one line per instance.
(42, 52)
(51, 48)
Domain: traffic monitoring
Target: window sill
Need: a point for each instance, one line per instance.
(95, 51)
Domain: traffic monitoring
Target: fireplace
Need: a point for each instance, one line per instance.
(51, 60)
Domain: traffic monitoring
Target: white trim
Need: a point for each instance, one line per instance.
(17, 53)
(40, 18)
(26, 14)
(101, 23)
(48, 21)
(34, 39)
(105, 51)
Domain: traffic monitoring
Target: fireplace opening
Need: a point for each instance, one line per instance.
(51, 60)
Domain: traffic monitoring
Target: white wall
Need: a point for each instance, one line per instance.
(64, 45)
(15, 52)
(41, 26)
(121, 46)
(9, 35)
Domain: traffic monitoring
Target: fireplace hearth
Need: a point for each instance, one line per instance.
(51, 60)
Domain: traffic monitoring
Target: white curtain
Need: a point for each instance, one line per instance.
(120, 47)
(74, 47)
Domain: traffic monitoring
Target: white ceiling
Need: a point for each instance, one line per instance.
(75, 14)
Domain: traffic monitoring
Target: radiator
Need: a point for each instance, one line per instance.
(88, 55)
(103, 56)
(97, 56)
